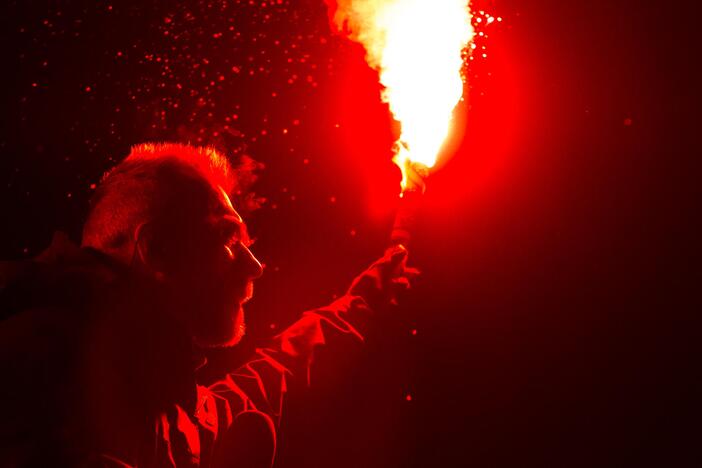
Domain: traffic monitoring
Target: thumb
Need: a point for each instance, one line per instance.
(396, 254)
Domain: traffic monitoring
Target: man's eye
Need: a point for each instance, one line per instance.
(229, 251)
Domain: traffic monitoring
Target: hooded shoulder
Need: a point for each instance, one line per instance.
(44, 312)
(64, 275)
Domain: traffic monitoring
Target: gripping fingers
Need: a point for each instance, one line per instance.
(401, 283)
(411, 273)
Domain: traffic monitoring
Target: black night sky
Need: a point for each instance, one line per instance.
(553, 324)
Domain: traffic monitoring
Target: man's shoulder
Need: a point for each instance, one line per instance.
(44, 318)
(62, 276)
(44, 310)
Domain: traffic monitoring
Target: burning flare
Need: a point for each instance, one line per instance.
(417, 48)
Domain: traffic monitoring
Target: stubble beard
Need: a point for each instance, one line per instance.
(237, 332)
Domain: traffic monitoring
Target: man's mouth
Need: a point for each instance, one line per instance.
(248, 294)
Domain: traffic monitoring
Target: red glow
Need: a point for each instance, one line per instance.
(474, 157)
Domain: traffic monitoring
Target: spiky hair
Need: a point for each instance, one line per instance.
(154, 180)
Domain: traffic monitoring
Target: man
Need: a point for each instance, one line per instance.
(100, 343)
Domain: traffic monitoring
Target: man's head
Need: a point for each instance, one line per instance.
(165, 211)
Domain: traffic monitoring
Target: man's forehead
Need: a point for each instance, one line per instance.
(225, 207)
(226, 219)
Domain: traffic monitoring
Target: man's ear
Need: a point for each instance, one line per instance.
(147, 250)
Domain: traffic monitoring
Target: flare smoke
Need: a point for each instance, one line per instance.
(417, 48)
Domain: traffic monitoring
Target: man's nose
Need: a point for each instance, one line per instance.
(254, 269)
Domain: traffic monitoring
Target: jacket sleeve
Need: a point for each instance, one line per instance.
(293, 358)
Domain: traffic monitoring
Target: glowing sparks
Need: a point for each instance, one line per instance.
(417, 47)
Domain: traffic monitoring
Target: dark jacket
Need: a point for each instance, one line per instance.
(94, 373)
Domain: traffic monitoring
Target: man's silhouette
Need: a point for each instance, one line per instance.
(99, 343)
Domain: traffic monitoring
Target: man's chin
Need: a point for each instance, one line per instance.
(218, 339)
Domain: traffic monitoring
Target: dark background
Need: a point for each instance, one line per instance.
(556, 319)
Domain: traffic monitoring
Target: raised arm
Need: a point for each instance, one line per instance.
(260, 385)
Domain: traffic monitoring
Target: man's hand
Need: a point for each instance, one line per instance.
(381, 283)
